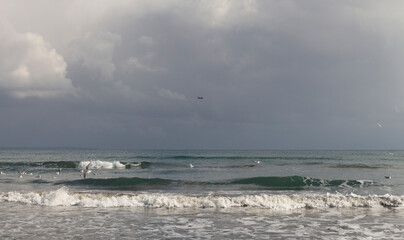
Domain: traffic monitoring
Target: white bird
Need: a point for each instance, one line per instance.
(379, 125)
(58, 172)
(1, 173)
(86, 171)
(257, 162)
(190, 165)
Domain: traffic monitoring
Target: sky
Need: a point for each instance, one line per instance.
(273, 74)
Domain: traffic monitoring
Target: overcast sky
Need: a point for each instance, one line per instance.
(274, 74)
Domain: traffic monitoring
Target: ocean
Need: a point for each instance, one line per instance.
(201, 194)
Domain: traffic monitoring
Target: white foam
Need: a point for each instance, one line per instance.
(63, 197)
(101, 164)
(136, 164)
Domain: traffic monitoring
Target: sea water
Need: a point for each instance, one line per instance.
(201, 194)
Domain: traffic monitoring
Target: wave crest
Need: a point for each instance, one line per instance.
(62, 197)
(101, 164)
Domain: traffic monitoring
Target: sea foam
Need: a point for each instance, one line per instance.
(63, 197)
(101, 164)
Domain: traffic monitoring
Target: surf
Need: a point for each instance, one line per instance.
(63, 197)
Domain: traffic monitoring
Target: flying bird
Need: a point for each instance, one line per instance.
(379, 125)
(87, 170)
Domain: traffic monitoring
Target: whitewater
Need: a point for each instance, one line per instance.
(62, 197)
(226, 194)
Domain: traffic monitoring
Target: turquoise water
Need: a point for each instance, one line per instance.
(202, 194)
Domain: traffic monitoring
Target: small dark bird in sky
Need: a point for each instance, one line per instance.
(200, 98)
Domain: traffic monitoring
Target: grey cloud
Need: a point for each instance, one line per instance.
(274, 74)
(94, 51)
(30, 67)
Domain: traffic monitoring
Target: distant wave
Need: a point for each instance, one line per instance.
(96, 164)
(240, 166)
(278, 183)
(48, 164)
(120, 182)
(138, 165)
(299, 181)
(217, 157)
(60, 164)
(356, 166)
(63, 197)
(100, 164)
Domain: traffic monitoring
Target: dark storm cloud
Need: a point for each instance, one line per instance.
(273, 74)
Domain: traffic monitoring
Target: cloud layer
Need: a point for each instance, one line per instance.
(30, 67)
(273, 74)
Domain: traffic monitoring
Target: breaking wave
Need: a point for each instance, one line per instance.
(98, 164)
(63, 197)
(101, 164)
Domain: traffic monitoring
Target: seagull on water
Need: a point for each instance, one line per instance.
(387, 177)
(191, 166)
(58, 172)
